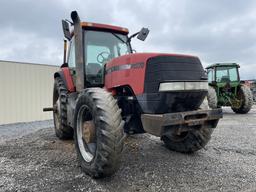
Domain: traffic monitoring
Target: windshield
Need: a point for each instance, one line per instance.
(226, 74)
(100, 47)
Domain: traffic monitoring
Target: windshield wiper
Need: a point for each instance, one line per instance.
(119, 38)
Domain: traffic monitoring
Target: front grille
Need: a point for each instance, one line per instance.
(171, 68)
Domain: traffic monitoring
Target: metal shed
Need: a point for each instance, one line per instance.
(25, 88)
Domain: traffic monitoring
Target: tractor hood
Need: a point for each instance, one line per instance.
(161, 82)
(140, 58)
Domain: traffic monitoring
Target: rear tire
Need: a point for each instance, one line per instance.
(189, 141)
(62, 130)
(212, 98)
(247, 100)
(102, 110)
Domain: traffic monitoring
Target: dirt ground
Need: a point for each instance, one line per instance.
(36, 160)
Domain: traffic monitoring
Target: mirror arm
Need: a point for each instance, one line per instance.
(134, 35)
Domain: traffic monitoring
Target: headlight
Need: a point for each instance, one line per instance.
(171, 86)
(196, 85)
(183, 86)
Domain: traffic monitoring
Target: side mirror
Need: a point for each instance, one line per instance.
(143, 34)
(66, 31)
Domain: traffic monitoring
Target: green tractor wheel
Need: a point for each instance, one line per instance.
(245, 100)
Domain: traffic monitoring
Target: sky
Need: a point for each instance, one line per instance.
(213, 30)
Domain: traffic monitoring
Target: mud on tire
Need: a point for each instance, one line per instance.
(109, 134)
(212, 98)
(62, 130)
(189, 141)
(246, 96)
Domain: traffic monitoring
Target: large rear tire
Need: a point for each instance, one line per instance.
(189, 141)
(98, 132)
(246, 97)
(212, 98)
(62, 130)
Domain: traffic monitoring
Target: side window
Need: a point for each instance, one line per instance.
(71, 55)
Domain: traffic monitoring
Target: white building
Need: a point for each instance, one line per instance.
(25, 89)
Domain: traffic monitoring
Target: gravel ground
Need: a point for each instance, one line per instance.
(17, 130)
(33, 159)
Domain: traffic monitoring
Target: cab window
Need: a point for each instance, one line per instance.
(224, 74)
(100, 47)
(233, 74)
(95, 56)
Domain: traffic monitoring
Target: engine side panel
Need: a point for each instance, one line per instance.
(126, 70)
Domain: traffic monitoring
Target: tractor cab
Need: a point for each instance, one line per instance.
(100, 44)
(223, 74)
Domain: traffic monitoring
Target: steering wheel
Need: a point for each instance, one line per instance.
(103, 56)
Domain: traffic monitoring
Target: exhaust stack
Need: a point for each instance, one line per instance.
(79, 52)
(65, 52)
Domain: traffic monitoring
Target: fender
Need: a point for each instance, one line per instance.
(65, 75)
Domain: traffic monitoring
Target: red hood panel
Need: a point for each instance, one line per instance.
(139, 57)
(129, 70)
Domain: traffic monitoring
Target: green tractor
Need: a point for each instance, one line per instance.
(226, 89)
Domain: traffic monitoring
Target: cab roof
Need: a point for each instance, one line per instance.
(98, 26)
(222, 65)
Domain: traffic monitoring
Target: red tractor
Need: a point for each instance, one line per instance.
(104, 91)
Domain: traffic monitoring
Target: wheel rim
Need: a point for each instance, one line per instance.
(85, 132)
(238, 101)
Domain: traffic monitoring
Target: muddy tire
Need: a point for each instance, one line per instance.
(99, 146)
(245, 94)
(212, 98)
(62, 130)
(204, 105)
(188, 142)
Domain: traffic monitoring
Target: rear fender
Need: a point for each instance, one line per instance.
(66, 77)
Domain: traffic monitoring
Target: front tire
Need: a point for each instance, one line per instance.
(189, 141)
(246, 98)
(98, 132)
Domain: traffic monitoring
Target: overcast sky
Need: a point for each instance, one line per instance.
(214, 30)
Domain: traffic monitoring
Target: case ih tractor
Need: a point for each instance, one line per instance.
(226, 89)
(104, 91)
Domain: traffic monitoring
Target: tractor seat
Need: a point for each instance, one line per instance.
(225, 79)
(93, 68)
